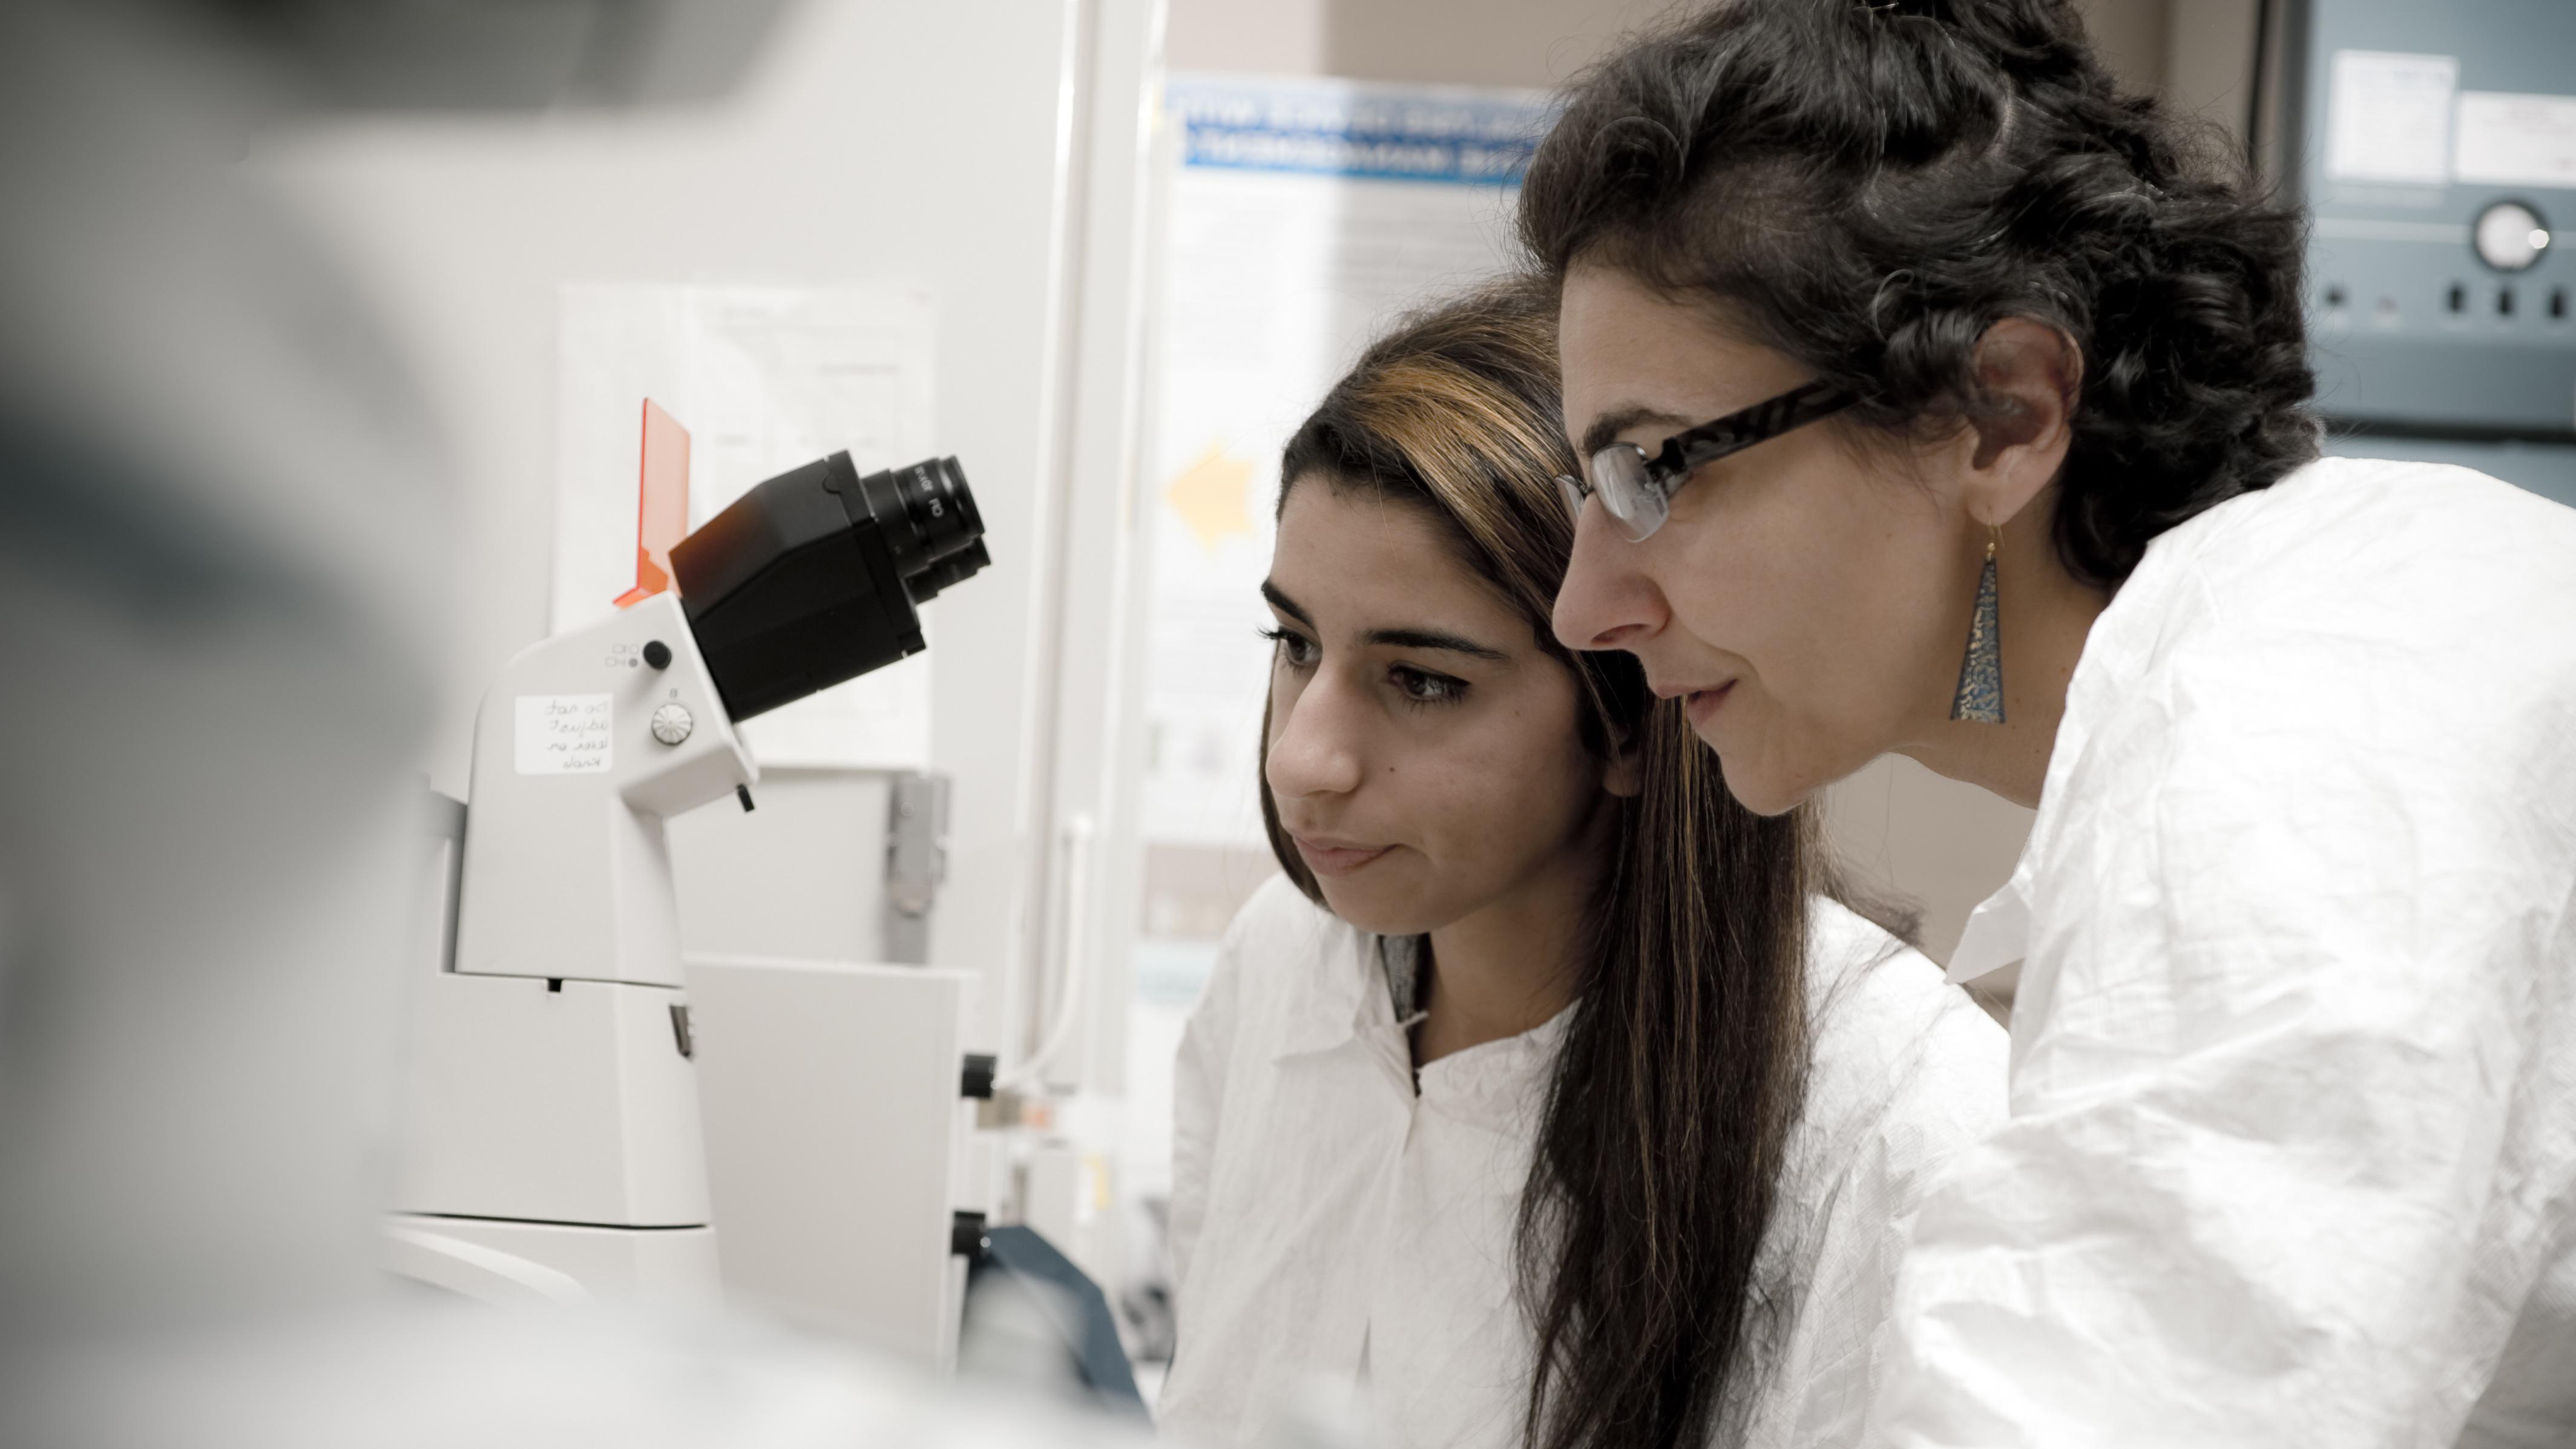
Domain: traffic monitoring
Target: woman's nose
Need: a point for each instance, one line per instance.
(1606, 601)
(1314, 747)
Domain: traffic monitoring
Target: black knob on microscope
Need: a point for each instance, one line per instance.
(657, 653)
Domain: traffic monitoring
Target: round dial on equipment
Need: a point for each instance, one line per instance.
(2510, 236)
(671, 723)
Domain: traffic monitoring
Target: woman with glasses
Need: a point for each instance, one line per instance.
(1548, 1093)
(1937, 398)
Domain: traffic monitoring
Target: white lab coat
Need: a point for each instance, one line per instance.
(2292, 1157)
(1329, 1224)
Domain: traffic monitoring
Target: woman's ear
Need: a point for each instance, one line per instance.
(2033, 373)
(1626, 777)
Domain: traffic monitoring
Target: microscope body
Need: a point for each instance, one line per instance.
(554, 1106)
(553, 1145)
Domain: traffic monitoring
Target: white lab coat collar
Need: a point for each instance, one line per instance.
(1354, 999)
(1335, 1213)
(1998, 933)
(1327, 1007)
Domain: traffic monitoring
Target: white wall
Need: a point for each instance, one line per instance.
(2209, 58)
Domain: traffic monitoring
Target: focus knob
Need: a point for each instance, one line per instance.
(2510, 237)
(672, 723)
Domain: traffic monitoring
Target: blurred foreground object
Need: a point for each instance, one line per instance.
(505, 55)
(221, 531)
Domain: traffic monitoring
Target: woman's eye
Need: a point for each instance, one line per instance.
(1420, 686)
(1295, 650)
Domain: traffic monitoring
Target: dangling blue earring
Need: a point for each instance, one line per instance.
(1980, 699)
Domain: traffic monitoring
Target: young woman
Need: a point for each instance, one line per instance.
(1893, 327)
(1544, 1093)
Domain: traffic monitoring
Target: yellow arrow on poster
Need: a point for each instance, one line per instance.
(1212, 497)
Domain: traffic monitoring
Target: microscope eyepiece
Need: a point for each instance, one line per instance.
(814, 576)
(926, 511)
(964, 564)
(939, 506)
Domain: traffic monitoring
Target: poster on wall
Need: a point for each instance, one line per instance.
(1303, 215)
(765, 379)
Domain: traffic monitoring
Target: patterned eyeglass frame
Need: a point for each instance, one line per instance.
(1687, 451)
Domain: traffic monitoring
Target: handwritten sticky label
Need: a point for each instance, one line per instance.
(566, 734)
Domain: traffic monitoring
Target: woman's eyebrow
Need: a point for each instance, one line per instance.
(1607, 427)
(1434, 639)
(1391, 638)
(1279, 600)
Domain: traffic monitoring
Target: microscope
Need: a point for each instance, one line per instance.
(552, 1146)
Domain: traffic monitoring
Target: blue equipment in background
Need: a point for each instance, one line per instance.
(2435, 146)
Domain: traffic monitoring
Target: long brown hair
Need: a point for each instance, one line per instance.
(1684, 1065)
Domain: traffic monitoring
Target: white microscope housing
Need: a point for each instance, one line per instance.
(552, 1147)
(554, 1113)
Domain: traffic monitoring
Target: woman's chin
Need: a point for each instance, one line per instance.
(1761, 791)
(1375, 911)
(1762, 777)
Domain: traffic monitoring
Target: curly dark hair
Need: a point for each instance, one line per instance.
(1868, 187)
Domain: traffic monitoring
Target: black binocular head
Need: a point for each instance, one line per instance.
(816, 575)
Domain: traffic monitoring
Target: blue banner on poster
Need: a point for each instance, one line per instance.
(1469, 137)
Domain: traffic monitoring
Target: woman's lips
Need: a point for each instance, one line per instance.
(1702, 704)
(1335, 857)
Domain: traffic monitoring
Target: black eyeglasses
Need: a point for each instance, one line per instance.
(1638, 490)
